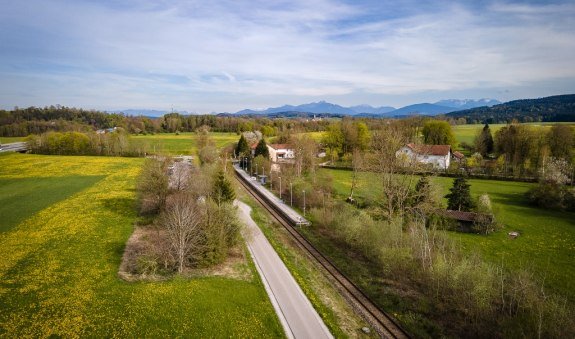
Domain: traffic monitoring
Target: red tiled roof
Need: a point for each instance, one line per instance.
(280, 146)
(430, 149)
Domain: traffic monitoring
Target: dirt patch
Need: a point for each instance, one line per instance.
(145, 259)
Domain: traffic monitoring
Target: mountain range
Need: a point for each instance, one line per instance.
(322, 107)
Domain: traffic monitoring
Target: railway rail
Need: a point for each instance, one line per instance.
(383, 324)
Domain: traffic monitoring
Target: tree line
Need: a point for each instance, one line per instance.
(34, 120)
(116, 143)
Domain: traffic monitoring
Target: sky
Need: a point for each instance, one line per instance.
(224, 56)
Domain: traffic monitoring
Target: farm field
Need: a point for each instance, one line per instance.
(184, 143)
(546, 245)
(60, 257)
(466, 133)
(7, 140)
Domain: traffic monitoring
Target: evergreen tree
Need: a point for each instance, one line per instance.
(460, 197)
(422, 189)
(222, 192)
(484, 141)
(262, 149)
(243, 149)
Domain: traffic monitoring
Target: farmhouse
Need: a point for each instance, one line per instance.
(281, 152)
(438, 156)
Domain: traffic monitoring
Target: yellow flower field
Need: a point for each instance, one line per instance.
(58, 267)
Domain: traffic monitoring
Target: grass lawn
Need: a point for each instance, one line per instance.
(184, 143)
(7, 140)
(467, 133)
(547, 241)
(60, 258)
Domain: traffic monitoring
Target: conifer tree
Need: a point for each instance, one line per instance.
(223, 192)
(460, 197)
(484, 141)
(243, 149)
(262, 149)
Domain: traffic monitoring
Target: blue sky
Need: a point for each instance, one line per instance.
(206, 56)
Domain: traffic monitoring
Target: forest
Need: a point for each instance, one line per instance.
(550, 109)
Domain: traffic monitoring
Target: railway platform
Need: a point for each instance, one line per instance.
(285, 209)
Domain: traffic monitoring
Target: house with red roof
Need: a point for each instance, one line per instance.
(438, 156)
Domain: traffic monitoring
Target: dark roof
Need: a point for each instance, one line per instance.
(458, 215)
(430, 149)
(458, 155)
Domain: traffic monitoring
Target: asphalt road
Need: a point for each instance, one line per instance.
(13, 147)
(297, 315)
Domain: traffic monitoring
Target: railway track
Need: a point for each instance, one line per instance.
(383, 324)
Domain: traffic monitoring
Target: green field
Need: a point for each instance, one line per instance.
(467, 133)
(61, 240)
(7, 140)
(546, 245)
(182, 144)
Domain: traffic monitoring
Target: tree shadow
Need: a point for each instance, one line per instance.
(120, 205)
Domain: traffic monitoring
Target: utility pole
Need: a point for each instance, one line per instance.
(290, 194)
(304, 203)
(280, 188)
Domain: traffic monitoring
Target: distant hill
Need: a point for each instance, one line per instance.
(422, 109)
(551, 109)
(367, 109)
(319, 108)
(322, 107)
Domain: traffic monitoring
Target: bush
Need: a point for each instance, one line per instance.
(550, 195)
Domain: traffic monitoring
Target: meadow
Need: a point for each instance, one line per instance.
(467, 133)
(546, 245)
(65, 221)
(183, 143)
(7, 140)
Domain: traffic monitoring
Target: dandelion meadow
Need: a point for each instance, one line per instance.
(65, 221)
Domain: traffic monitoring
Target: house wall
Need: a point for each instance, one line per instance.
(437, 161)
(287, 153)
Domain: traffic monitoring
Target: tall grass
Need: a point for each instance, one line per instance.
(467, 295)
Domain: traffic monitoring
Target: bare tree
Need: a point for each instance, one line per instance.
(305, 151)
(395, 173)
(180, 176)
(182, 220)
(357, 165)
(152, 185)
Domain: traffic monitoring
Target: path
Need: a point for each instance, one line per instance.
(297, 315)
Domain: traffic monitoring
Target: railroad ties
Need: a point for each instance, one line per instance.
(383, 324)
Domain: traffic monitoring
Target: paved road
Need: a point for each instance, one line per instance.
(13, 147)
(297, 315)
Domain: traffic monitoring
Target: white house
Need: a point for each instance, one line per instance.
(438, 156)
(280, 152)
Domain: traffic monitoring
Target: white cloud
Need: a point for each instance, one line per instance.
(203, 55)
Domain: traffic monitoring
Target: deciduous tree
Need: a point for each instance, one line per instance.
(438, 132)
